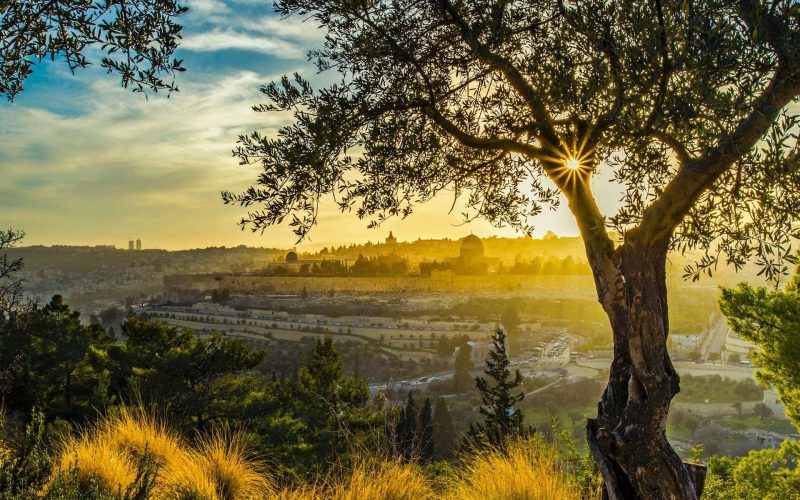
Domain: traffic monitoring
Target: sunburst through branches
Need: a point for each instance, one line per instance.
(574, 161)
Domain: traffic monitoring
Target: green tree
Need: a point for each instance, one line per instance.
(500, 394)
(331, 405)
(197, 380)
(220, 296)
(55, 362)
(762, 474)
(111, 317)
(427, 446)
(136, 39)
(762, 411)
(770, 319)
(511, 322)
(519, 104)
(406, 434)
(737, 405)
(444, 431)
(443, 348)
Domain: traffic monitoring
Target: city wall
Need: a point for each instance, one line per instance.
(545, 285)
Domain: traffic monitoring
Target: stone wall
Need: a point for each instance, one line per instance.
(242, 283)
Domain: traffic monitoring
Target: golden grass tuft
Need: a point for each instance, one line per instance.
(307, 492)
(136, 432)
(225, 459)
(219, 469)
(389, 480)
(96, 456)
(527, 470)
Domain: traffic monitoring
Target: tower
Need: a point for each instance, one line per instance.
(138, 244)
(130, 245)
(391, 240)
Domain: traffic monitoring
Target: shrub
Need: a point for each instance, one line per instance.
(389, 480)
(113, 451)
(527, 469)
(226, 461)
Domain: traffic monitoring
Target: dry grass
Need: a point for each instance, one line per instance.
(226, 460)
(96, 456)
(135, 432)
(390, 480)
(368, 479)
(528, 470)
(220, 469)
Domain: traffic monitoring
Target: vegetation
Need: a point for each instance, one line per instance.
(137, 40)
(516, 103)
(502, 419)
(770, 319)
(526, 469)
(10, 286)
(74, 371)
(136, 455)
(462, 367)
(762, 474)
(236, 432)
(716, 389)
(680, 101)
(54, 362)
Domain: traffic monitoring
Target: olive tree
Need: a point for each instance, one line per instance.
(137, 39)
(685, 104)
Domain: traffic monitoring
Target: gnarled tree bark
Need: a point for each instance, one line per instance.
(628, 438)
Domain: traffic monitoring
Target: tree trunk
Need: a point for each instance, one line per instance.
(628, 438)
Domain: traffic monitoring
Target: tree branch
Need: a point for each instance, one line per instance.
(697, 175)
(606, 45)
(666, 68)
(765, 26)
(674, 144)
(512, 74)
(475, 142)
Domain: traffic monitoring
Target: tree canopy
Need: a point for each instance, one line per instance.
(53, 362)
(137, 39)
(770, 319)
(10, 285)
(517, 105)
(667, 98)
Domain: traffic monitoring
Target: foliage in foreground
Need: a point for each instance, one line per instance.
(135, 455)
(762, 474)
(770, 319)
(71, 371)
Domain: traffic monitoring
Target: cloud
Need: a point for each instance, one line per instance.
(125, 165)
(295, 28)
(207, 6)
(233, 40)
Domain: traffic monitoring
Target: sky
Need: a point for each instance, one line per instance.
(86, 162)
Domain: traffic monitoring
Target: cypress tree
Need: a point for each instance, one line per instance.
(427, 448)
(444, 431)
(462, 367)
(406, 430)
(502, 418)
